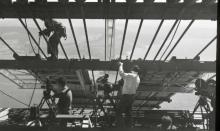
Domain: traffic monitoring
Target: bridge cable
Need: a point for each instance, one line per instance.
(73, 32)
(171, 39)
(30, 39)
(74, 37)
(165, 40)
(87, 39)
(205, 47)
(155, 35)
(8, 45)
(124, 34)
(187, 28)
(13, 98)
(136, 38)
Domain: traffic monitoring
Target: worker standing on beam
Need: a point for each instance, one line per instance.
(58, 31)
(131, 83)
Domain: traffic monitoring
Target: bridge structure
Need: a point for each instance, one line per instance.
(160, 78)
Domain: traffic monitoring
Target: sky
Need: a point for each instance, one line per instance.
(200, 33)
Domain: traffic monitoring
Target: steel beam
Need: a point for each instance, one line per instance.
(178, 65)
(94, 10)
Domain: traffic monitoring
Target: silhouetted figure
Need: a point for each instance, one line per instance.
(64, 105)
(54, 31)
(166, 124)
(130, 85)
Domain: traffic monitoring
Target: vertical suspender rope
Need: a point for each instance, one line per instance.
(124, 34)
(136, 38)
(155, 35)
(87, 39)
(187, 28)
(171, 39)
(174, 24)
(32, 37)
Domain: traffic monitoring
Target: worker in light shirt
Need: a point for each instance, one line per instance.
(131, 83)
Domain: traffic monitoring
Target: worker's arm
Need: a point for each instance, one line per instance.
(46, 32)
(69, 94)
(121, 70)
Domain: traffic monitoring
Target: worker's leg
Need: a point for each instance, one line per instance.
(128, 112)
(120, 110)
(54, 41)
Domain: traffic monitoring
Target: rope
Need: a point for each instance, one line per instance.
(171, 39)
(13, 98)
(35, 85)
(30, 38)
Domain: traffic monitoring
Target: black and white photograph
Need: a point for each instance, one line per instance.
(111, 65)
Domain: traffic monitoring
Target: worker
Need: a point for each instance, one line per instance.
(58, 31)
(64, 105)
(166, 124)
(131, 83)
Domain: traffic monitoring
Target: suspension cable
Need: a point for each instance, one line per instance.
(136, 38)
(155, 35)
(171, 39)
(87, 39)
(187, 28)
(13, 98)
(85, 29)
(165, 40)
(74, 37)
(205, 47)
(32, 37)
(38, 26)
(8, 45)
(124, 34)
(29, 38)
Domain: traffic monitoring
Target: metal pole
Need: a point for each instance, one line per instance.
(206, 46)
(32, 37)
(155, 35)
(187, 28)
(136, 38)
(166, 39)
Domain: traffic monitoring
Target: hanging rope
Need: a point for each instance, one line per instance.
(171, 39)
(165, 40)
(29, 38)
(13, 98)
(35, 85)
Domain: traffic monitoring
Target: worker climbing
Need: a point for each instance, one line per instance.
(58, 31)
